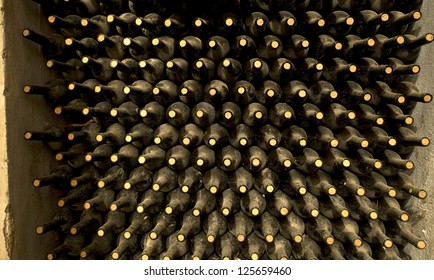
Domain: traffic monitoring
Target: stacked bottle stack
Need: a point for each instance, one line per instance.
(252, 130)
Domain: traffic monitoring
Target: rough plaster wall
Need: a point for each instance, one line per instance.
(423, 216)
(24, 64)
(3, 155)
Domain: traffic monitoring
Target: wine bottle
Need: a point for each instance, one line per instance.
(361, 208)
(389, 209)
(336, 251)
(269, 47)
(215, 180)
(294, 183)
(294, 137)
(191, 47)
(98, 246)
(240, 226)
(243, 47)
(114, 222)
(125, 247)
(166, 136)
(200, 247)
(203, 114)
(350, 138)
(177, 202)
(174, 248)
(393, 163)
(280, 160)
(412, 95)
(410, 49)
(73, 156)
(203, 158)
(363, 162)
(283, 23)
(113, 46)
(308, 249)
(214, 226)
(253, 203)
(256, 24)
(152, 70)
(405, 187)
(190, 180)
(177, 69)
(61, 221)
(309, 114)
(152, 247)
(229, 70)
(399, 22)
(228, 202)
(347, 230)
(164, 225)
(55, 90)
(368, 22)
(100, 114)
(126, 201)
(112, 92)
(351, 94)
(322, 92)
(178, 114)
(320, 230)
(311, 22)
(216, 136)
(229, 115)
(217, 48)
(90, 221)
(228, 158)
(401, 234)
(255, 70)
(126, 157)
(320, 184)
(266, 181)
(322, 138)
(165, 180)
(114, 178)
(325, 46)
(333, 207)
(379, 139)
(85, 46)
(139, 47)
(100, 156)
(87, 174)
(306, 206)
(279, 249)
(72, 70)
(59, 175)
(253, 248)
(295, 91)
(292, 227)
(227, 246)
(255, 159)
(339, 23)
(266, 227)
(374, 232)
(191, 92)
(335, 161)
(366, 117)
(52, 46)
(191, 135)
(152, 202)
(255, 114)
(101, 200)
(164, 47)
(203, 69)
(230, 25)
(127, 70)
(354, 48)
(337, 69)
(240, 181)
(296, 47)
(383, 253)
(125, 23)
(190, 226)
(362, 252)
(165, 92)
(307, 160)
(71, 246)
(95, 25)
(203, 202)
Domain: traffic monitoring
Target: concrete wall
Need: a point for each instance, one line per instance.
(22, 208)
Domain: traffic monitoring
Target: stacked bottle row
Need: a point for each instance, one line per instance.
(274, 134)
